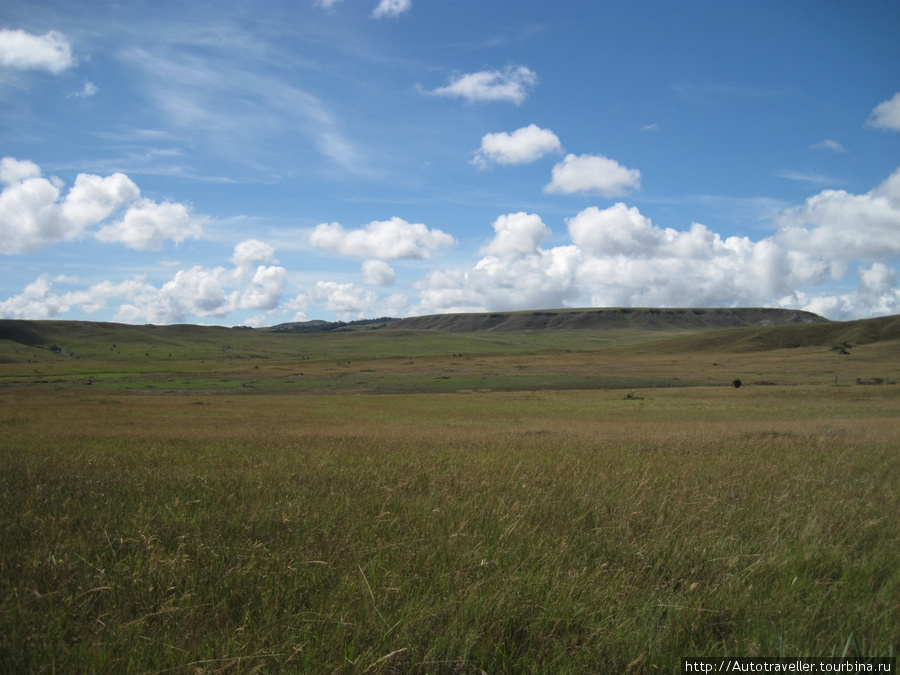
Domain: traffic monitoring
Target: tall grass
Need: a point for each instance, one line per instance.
(540, 532)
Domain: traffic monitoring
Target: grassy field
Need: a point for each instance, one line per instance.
(610, 505)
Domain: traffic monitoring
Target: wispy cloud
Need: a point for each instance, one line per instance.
(511, 84)
(828, 144)
(237, 108)
(391, 8)
(811, 178)
(88, 90)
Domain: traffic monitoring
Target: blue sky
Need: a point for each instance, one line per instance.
(258, 162)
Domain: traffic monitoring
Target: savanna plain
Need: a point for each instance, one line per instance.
(187, 499)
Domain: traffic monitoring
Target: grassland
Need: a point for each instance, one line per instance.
(324, 504)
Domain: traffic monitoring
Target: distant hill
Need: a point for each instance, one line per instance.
(610, 318)
(570, 319)
(672, 330)
(319, 326)
(766, 338)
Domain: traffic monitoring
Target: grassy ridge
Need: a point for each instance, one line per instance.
(505, 532)
(668, 319)
(181, 358)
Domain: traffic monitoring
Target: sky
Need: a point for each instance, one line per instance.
(256, 162)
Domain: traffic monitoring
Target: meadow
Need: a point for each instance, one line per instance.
(529, 503)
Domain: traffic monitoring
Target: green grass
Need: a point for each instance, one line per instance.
(503, 532)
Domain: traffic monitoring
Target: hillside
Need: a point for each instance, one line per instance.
(793, 336)
(610, 318)
(671, 331)
(568, 319)
(554, 349)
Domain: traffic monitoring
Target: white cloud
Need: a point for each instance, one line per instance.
(618, 230)
(36, 301)
(516, 234)
(545, 278)
(391, 8)
(39, 301)
(618, 257)
(593, 173)
(266, 288)
(346, 300)
(34, 214)
(92, 199)
(877, 279)
(378, 273)
(846, 226)
(147, 225)
(88, 90)
(390, 239)
(252, 252)
(24, 51)
(522, 146)
(811, 178)
(886, 115)
(511, 84)
(829, 144)
(237, 105)
(195, 292)
(13, 170)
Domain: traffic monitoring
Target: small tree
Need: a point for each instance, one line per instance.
(737, 383)
(839, 349)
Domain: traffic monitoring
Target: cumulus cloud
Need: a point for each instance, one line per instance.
(252, 252)
(614, 256)
(845, 226)
(346, 300)
(388, 240)
(886, 115)
(619, 257)
(39, 301)
(34, 213)
(24, 51)
(618, 230)
(147, 225)
(522, 146)
(265, 289)
(511, 84)
(516, 234)
(195, 292)
(545, 278)
(377, 273)
(593, 174)
(13, 170)
(391, 8)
